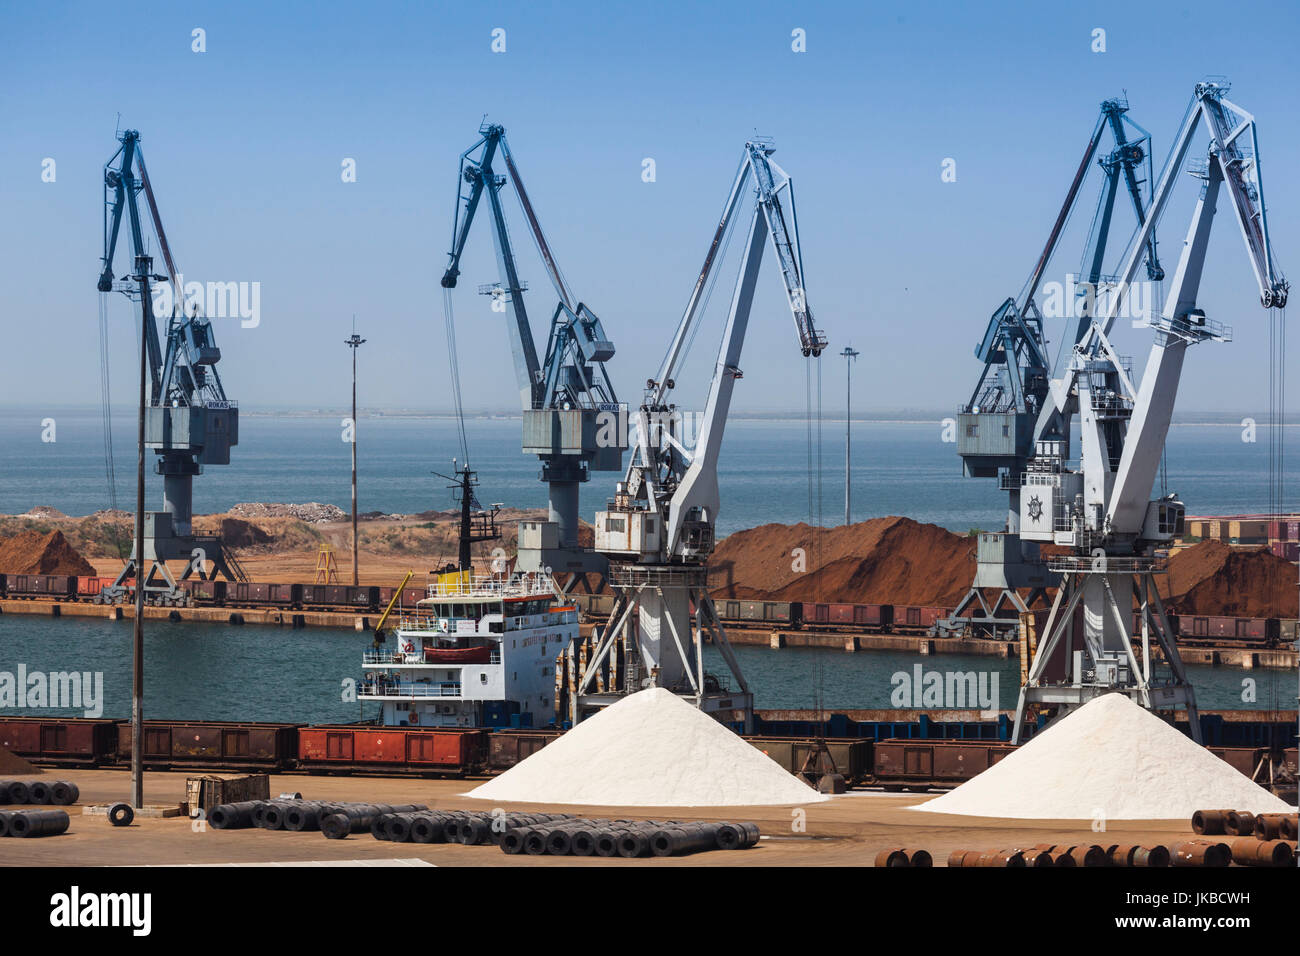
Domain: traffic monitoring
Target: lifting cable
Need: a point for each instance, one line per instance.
(813, 429)
(106, 412)
(1276, 457)
(453, 365)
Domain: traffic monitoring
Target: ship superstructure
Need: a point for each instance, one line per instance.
(478, 651)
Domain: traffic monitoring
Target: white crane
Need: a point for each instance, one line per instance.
(1101, 509)
(658, 530)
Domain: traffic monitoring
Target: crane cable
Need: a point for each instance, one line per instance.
(1276, 455)
(106, 412)
(453, 366)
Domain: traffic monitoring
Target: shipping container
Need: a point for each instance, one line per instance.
(1248, 531)
(1288, 550)
(65, 741)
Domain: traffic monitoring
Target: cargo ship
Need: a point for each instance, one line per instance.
(477, 651)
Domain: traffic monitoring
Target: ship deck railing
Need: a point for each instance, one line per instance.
(439, 689)
(411, 660)
(493, 586)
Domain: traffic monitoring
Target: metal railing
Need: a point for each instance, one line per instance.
(385, 689)
(392, 657)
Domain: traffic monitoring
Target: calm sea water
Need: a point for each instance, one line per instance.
(898, 468)
(219, 672)
(256, 673)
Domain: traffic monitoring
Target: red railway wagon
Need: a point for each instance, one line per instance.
(90, 586)
(919, 617)
(213, 744)
(388, 749)
(855, 615)
(63, 741)
(406, 601)
(933, 763)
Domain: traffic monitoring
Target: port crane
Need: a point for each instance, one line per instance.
(189, 421)
(1100, 509)
(571, 415)
(995, 428)
(658, 530)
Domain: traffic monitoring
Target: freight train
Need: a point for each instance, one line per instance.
(1190, 629)
(247, 594)
(911, 619)
(874, 753)
(797, 615)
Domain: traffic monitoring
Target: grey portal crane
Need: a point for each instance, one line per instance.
(1101, 510)
(995, 428)
(189, 421)
(569, 407)
(658, 530)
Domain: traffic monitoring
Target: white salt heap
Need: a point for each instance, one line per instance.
(1109, 759)
(651, 749)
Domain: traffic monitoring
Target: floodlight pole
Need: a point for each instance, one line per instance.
(354, 343)
(849, 356)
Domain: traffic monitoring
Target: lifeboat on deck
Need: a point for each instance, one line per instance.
(458, 655)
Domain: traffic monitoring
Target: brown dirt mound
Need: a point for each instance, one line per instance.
(1212, 578)
(12, 765)
(31, 552)
(237, 533)
(895, 560)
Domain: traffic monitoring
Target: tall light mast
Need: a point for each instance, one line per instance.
(849, 356)
(354, 342)
(658, 530)
(1100, 511)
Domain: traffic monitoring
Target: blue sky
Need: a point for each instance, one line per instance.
(245, 141)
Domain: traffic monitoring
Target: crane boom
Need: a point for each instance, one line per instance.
(189, 420)
(1101, 511)
(996, 428)
(659, 529)
(566, 396)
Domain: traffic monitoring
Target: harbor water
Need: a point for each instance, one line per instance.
(223, 672)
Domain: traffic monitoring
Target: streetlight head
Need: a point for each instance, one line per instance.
(850, 353)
